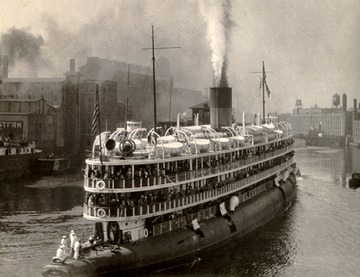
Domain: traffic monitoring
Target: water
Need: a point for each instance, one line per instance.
(318, 236)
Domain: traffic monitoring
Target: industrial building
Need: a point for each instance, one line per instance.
(57, 113)
(326, 125)
(135, 90)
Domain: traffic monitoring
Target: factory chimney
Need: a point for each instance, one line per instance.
(355, 105)
(5, 71)
(71, 75)
(344, 102)
(72, 65)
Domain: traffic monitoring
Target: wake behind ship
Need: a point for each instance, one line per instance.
(160, 201)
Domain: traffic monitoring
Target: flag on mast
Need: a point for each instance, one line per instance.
(264, 82)
(96, 112)
(267, 90)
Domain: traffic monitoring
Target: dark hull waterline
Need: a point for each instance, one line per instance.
(182, 245)
(16, 166)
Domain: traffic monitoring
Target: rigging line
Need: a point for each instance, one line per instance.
(277, 107)
(156, 48)
(145, 84)
(168, 87)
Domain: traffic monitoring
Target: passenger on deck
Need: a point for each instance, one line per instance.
(106, 175)
(114, 200)
(73, 239)
(97, 173)
(89, 244)
(151, 199)
(170, 195)
(129, 174)
(88, 171)
(63, 240)
(144, 173)
(91, 201)
(154, 171)
(119, 175)
(146, 201)
(182, 192)
(101, 200)
(161, 197)
(61, 255)
(77, 249)
(137, 173)
(141, 201)
(163, 174)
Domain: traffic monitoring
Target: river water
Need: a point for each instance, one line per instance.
(318, 236)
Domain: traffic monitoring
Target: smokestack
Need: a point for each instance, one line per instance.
(220, 107)
(72, 65)
(344, 102)
(355, 105)
(5, 66)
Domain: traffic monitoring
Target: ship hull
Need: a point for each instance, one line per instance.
(325, 141)
(183, 245)
(13, 167)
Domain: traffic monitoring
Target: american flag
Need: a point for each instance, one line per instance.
(96, 112)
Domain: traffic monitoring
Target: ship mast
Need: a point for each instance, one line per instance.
(127, 97)
(264, 87)
(154, 83)
(153, 64)
(263, 90)
(171, 86)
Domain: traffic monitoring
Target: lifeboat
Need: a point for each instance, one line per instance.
(256, 132)
(166, 139)
(269, 130)
(237, 140)
(224, 142)
(172, 148)
(201, 144)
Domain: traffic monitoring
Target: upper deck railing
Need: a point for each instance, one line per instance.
(113, 185)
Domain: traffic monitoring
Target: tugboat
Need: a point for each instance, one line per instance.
(159, 201)
(16, 159)
(50, 164)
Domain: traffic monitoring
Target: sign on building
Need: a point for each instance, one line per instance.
(11, 125)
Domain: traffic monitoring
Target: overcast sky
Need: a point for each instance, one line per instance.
(312, 48)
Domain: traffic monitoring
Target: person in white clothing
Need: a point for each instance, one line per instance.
(61, 254)
(73, 239)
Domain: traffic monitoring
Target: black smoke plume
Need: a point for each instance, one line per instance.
(20, 45)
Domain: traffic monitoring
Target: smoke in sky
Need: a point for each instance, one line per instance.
(217, 16)
(21, 46)
(115, 30)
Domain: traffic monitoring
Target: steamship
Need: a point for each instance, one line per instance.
(160, 201)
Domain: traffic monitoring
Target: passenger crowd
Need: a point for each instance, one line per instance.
(144, 198)
(97, 172)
